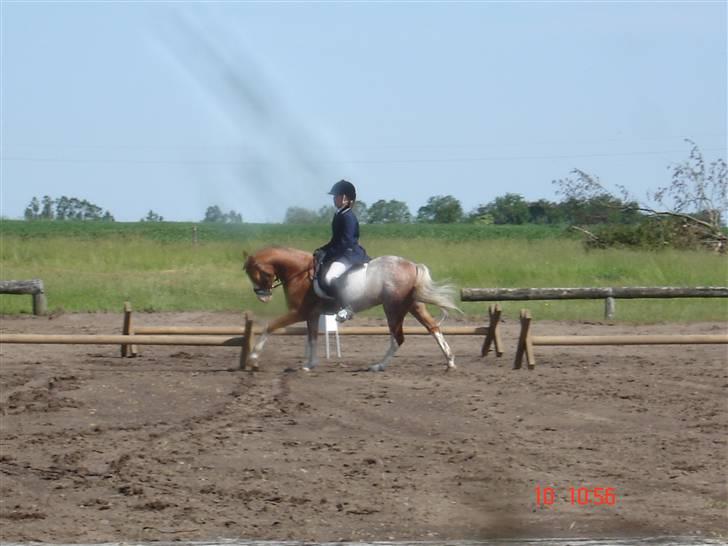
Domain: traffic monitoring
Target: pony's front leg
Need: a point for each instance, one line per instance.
(312, 338)
(281, 322)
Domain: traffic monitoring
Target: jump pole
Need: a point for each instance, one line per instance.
(491, 332)
(121, 339)
(526, 341)
(300, 330)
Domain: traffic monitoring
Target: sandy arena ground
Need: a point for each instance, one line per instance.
(177, 445)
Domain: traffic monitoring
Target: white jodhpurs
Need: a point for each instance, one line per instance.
(336, 270)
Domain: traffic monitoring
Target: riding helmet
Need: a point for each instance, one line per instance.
(344, 187)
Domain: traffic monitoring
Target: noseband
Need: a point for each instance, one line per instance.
(265, 292)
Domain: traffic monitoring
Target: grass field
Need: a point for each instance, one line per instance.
(158, 266)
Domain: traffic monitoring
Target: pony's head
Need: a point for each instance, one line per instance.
(262, 275)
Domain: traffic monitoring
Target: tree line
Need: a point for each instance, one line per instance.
(65, 208)
(511, 208)
(688, 212)
(73, 208)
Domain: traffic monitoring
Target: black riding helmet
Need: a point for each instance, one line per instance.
(344, 187)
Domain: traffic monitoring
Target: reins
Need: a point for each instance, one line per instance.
(278, 281)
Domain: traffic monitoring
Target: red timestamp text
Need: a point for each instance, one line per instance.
(578, 496)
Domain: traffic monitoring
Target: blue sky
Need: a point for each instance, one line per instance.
(257, 107)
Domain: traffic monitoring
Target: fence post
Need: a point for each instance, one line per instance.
(525, 344)
(33, 287)
(493, 334)
(40, 304)
(247, 342)
(127, 349)
(609, 307)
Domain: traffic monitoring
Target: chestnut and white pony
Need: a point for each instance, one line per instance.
(399, 285)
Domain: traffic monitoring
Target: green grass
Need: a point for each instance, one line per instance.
(283, 234)
(96, 267)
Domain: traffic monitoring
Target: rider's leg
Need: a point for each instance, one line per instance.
(332, 279)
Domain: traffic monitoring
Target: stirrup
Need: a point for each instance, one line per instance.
(344, 314)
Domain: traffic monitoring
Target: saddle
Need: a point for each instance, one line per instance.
(322, 289)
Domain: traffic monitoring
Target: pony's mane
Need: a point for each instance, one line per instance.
(284, 248)
(291, 252)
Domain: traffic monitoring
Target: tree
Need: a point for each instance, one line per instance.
(587, 201)
(698, 195)
(441, 210)
(510, 208)
(544, 211)
(214, 214)
(479, 216)
(688, 212)
(300, 215)
(63, 208)
(152, 217)
(66, 208)
(32, 211)
(47, 211)
(389, 212)
(233, 217)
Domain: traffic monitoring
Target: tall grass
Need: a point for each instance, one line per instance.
(280, 233)
(98, 270)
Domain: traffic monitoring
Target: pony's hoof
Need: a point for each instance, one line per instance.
(451, 366)
(376, 368)
(252, 362)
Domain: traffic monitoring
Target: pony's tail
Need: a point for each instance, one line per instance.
(439, 294)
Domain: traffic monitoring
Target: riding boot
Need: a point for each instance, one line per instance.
(345, 312)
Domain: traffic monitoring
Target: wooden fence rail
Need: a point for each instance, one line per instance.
(118, 339)
(609, 294)
(232, 336)
(32, 287)
(491, 331)
(300, 330)
(527, 341)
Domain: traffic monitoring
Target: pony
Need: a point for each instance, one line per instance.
(399, 285)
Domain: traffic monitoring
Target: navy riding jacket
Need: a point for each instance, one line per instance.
(344, 244)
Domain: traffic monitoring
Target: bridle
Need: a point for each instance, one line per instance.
(277, 281)
(264, 292)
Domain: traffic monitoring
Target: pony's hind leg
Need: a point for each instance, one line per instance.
(395, 317)
(419, 311)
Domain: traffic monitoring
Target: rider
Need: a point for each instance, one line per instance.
(343, 250)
